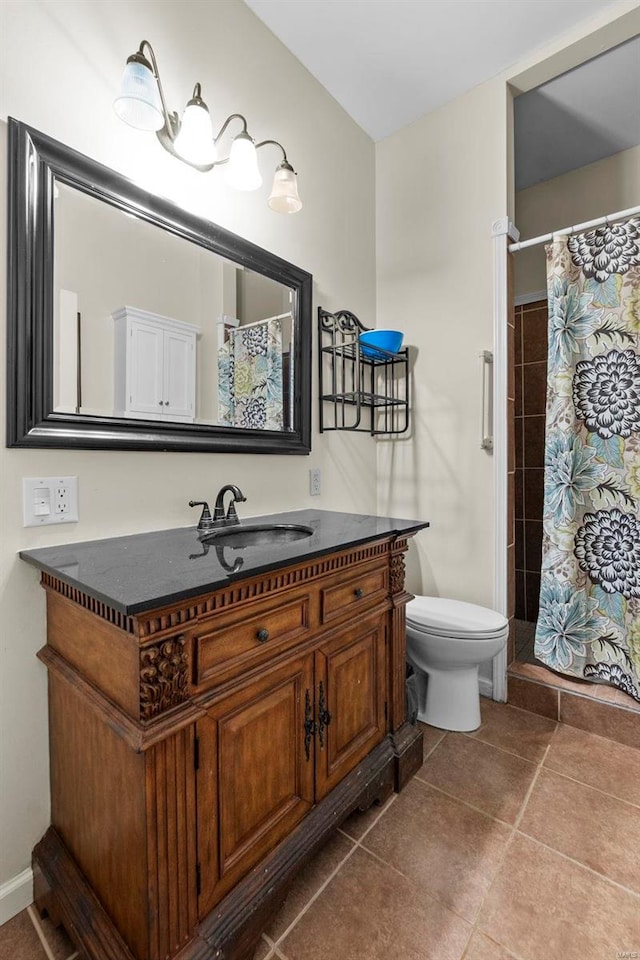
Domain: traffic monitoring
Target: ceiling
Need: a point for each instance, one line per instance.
(389, 62)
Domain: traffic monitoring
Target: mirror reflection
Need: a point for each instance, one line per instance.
(150, 326)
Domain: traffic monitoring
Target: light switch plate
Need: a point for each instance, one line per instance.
(49, 500)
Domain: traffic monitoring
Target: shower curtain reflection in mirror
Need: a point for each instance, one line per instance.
(254, 372)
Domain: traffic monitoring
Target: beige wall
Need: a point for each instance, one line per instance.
(608, 186)
(440, 183)
(60, 67)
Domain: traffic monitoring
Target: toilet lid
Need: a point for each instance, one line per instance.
(454, 616)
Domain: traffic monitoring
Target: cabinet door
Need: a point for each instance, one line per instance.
(145, 363)
(350, 700)
(179, 374)
(255, 777)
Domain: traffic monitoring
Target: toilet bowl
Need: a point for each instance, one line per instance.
(447, 640)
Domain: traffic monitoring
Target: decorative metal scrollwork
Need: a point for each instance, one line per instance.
(343, 320)
(309, 724)
(324, 717)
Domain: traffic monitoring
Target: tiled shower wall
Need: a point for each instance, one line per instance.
(530, 400)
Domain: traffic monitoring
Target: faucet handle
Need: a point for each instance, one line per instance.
(206, 520)
(232, 514)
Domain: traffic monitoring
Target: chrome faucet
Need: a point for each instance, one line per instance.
(219, 518)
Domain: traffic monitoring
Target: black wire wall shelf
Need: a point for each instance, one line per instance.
(360, 391)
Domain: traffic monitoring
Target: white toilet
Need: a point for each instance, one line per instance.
(447, 640)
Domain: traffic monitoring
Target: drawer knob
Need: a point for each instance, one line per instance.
(263, 635)
(358, 592)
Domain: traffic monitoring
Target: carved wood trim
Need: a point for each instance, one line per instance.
(273, 582)
(396, 573)
(100, 609)
(138, 736)
(163, 676)
(398, 548)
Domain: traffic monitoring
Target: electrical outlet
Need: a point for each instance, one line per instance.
(49, 500)
(61, 502)
(315, 479)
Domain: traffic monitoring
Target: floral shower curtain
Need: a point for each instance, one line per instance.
(589, 619)
(250, 385)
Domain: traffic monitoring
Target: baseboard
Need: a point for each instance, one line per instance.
(485, 686)
(16, 895)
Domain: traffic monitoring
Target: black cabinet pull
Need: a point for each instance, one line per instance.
(309, 724)
(263, 635)
(324, 717)
(358, 593)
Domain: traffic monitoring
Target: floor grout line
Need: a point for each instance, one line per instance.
(509, 841)
(476, 916)
(315, 896)
(589, 786)
(525, 802)
(424, 892)
(40, 932)
(466, 803)
(495, 746)
(387, 804)
(504, 749)
(434, 747)
(579, 863)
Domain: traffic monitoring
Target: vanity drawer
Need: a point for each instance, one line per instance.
(355, 594)
(247, 637)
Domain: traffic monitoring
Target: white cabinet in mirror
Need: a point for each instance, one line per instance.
(155, 366)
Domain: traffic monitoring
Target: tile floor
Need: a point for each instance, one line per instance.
(516, 842)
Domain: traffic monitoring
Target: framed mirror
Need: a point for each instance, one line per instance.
(134, 324)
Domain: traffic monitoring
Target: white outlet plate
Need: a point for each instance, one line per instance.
(315, 481)
(48, 500)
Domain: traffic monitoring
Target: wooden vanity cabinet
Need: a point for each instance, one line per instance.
(201, 753)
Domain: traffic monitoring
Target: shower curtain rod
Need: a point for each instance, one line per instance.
(514, 247)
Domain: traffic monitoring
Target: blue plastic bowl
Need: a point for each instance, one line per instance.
(374, 341)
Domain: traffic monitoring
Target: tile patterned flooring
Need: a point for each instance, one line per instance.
(516, 842)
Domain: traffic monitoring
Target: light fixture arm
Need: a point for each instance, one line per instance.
(171, 120)
(232, 116)
(263, 143)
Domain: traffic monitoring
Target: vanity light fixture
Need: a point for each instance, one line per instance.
(142, 105)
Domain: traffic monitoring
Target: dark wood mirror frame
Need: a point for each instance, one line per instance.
(35, 162)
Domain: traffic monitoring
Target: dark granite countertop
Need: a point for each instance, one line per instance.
(147, 570)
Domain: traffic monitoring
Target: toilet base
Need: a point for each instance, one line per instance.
(449, 699)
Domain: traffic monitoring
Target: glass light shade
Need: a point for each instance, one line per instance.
(242, 170)
(195, 143)
(284, 192)
(139, 102)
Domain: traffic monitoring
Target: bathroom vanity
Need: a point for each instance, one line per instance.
(215, 713)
